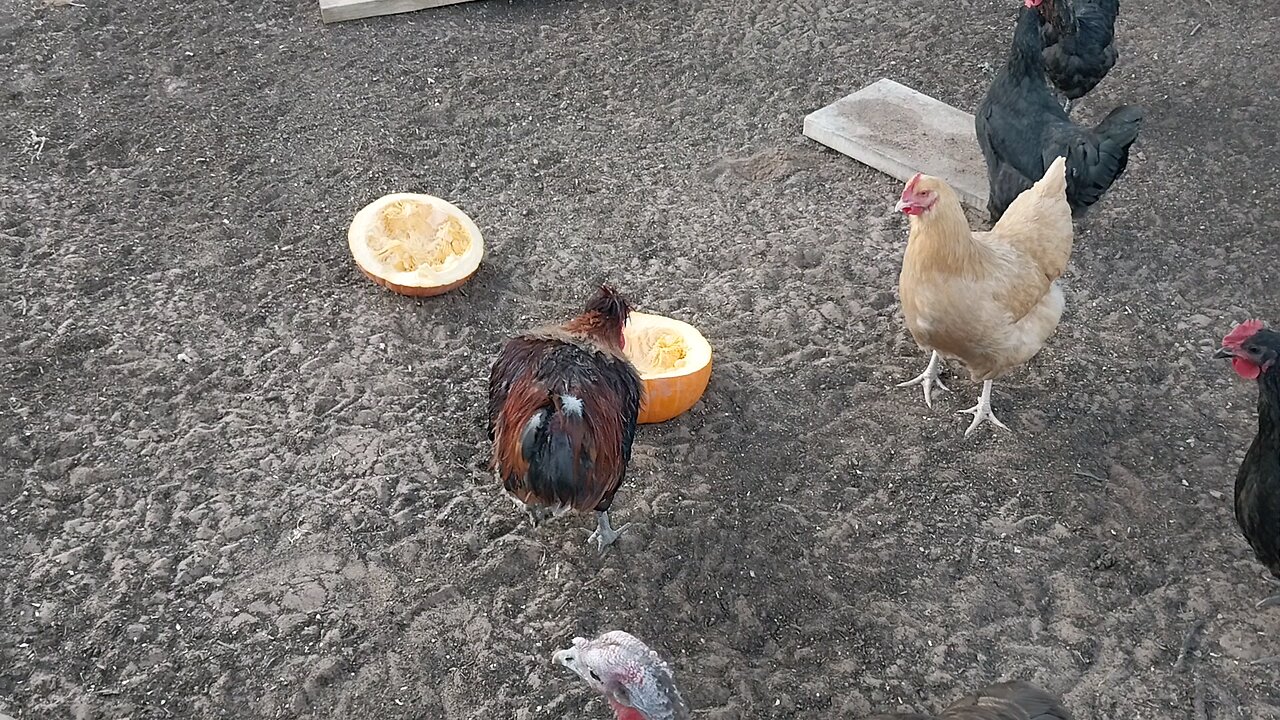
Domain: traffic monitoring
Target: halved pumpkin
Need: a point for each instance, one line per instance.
(674, 361)
(415, 244)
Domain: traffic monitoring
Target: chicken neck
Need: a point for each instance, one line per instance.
(1063, 16)
(1025, 57)
(1265, 448)
(675, 711)
(941, 242)
(1269, 408)
(1266, 444)
(600, 328)
(625, 713)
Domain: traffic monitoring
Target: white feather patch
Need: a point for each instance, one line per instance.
(571, 404)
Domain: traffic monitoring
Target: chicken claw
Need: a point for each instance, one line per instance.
(928, 378)
(1274, 600)
(537, 514)
(605, 535)
(982, 411)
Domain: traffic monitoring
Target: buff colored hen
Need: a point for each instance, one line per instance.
(990, 299)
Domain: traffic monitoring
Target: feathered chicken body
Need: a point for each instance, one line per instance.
(1255, 355)
(1021, 129)
(1015, 700)
(1079, 44)
(989, 299)
(563, 403)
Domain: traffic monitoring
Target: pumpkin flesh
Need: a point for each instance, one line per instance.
(674, 362)
(415, 244)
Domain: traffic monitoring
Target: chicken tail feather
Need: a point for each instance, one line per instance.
(1116, 134)
(1120, 127)
(1038, 222)
(1049, 194)
(558, 452)
(1054, 182)
(1097, 170)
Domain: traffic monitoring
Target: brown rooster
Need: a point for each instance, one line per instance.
(563, 403)
(988, 298)
(635, 682)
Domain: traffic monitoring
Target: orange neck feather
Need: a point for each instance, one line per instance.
(597, 327)
(940, 240)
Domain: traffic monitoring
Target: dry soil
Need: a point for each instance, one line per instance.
(241, 481)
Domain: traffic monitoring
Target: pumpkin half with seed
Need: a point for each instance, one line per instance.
(415, 244)
(674, 362)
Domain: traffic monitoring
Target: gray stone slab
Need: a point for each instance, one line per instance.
(900, 132)
(332, 11)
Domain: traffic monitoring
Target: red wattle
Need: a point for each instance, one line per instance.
(1245, 369)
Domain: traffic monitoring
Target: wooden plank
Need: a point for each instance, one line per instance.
(900, 132)
(332, 11)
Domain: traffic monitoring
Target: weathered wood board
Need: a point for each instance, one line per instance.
(332, 11)
(900, 132)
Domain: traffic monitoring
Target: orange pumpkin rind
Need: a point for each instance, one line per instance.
(674, 361)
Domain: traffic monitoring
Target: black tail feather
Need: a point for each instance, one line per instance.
(1096, 172)
(1120, 128)
(558, 467)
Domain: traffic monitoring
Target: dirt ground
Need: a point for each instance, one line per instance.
(241, 481)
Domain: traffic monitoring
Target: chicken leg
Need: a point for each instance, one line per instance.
(537, 514)
(605, 535)
(1274, 600)
(982, 411)
(928, 378)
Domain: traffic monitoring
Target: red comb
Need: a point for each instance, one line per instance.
(912, 182)
(1242, 332)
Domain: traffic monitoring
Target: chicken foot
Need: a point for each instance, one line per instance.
(605, 535)
(982, 411)
(1274, 600)
(928, 379)
(537, 514)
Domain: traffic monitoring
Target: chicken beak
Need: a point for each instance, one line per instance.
(1223, 353)
(902, 205)
(563, 657)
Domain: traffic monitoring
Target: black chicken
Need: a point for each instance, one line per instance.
(1022, 129)
(1079, 44)
(1255, 355)
(1016, 700)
